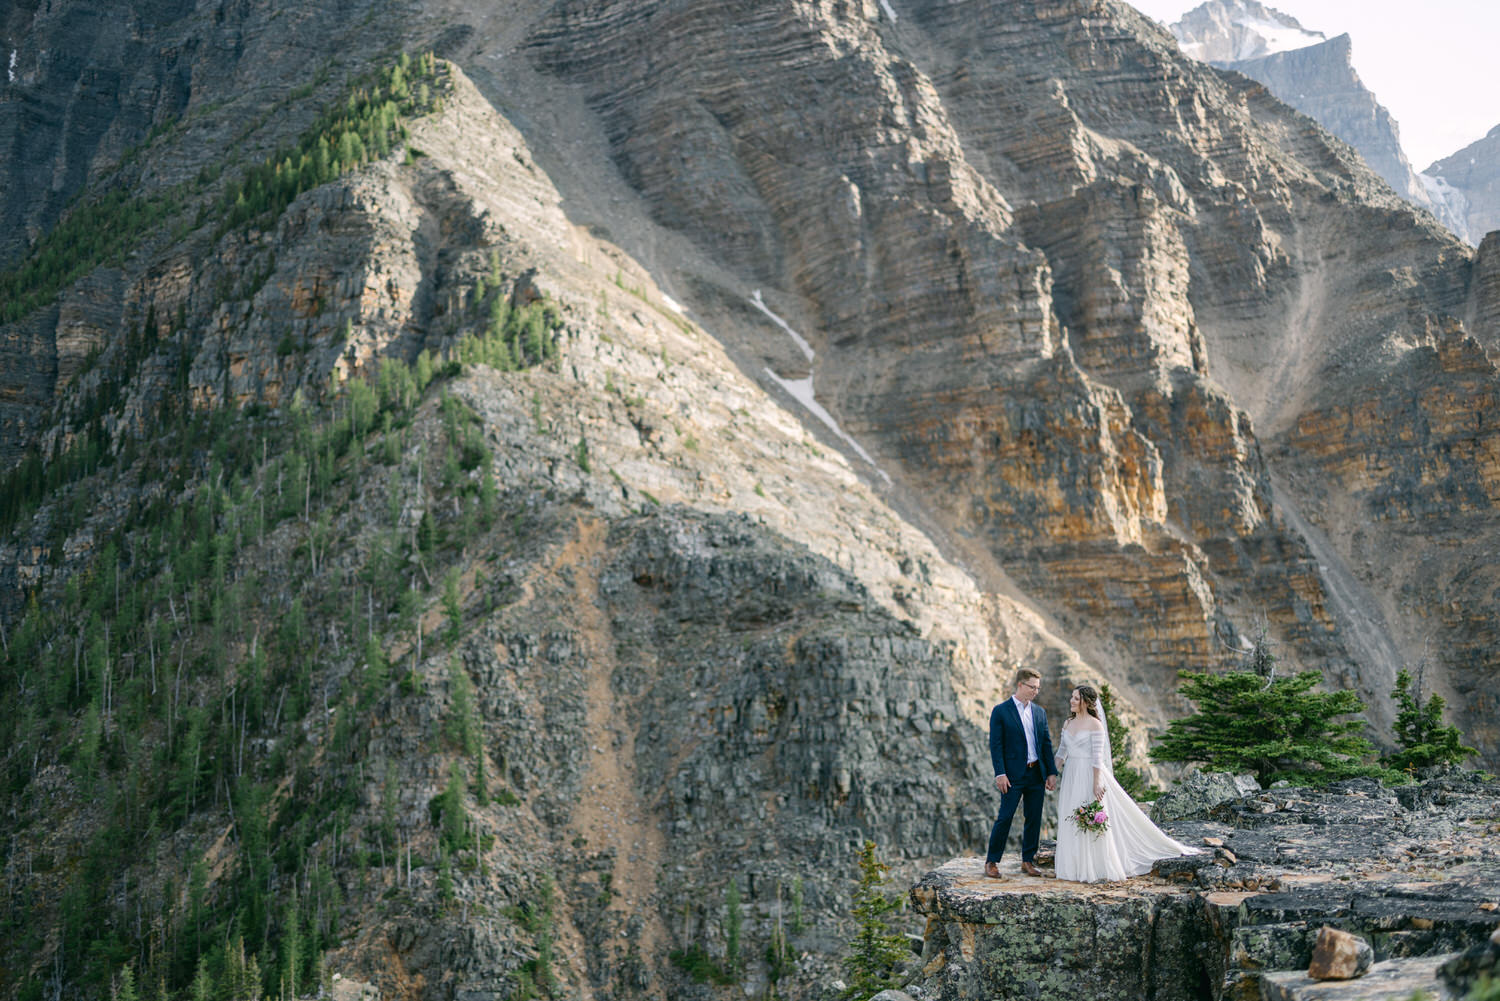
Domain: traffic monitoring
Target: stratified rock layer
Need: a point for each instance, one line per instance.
(1316, 76)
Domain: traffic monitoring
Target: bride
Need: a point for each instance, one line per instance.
(1130, 843)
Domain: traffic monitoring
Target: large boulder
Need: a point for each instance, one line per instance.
(1196, 795)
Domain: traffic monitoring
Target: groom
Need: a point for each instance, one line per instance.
(1021, 750)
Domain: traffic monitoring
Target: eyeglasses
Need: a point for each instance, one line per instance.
(1033, 685)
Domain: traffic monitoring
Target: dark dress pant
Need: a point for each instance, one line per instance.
(1028, 791)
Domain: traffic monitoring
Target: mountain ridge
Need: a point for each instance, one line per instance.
(1114, 325)
(1316, 75)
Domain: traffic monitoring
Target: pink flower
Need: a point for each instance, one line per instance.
(1101, 817)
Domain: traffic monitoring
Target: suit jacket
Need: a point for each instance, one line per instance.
(1008, 740)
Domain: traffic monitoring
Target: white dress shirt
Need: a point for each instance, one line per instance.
(1024, 708)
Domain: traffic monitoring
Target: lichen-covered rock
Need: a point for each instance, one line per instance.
(1197, 794)
(1463, 971)
(1391, 980)
(1413, 886)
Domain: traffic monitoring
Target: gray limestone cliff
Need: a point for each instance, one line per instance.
(1316, 76)
(1471, 179)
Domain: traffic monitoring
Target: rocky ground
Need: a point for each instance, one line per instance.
(1413, 870)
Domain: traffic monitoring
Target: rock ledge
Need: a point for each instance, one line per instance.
(1415, 872)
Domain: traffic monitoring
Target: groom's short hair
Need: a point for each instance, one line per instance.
(1026, 674)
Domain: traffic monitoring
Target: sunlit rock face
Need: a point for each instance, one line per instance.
(1063, 283)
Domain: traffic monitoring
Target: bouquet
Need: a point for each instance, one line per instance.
(1091, 818)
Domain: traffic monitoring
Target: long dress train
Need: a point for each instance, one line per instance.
(1130, 846)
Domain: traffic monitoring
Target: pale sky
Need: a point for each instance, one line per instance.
(1432, 63)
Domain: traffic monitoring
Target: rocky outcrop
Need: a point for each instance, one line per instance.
(1472, 180)
(1483, 313)
(1410, 871)
(1198, 794)
(1320, 81)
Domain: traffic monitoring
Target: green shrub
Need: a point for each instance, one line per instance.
(698, 964)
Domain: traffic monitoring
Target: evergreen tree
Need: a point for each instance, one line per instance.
(1129, 778)
(1249, 720)
(874, 952)
(454, 818)
(1420, 732)
(377, 671)
(453, 607)
(125, 989)
(202, 988)
(426, 533)
(290, 947)
(463, 716)
(734, 918)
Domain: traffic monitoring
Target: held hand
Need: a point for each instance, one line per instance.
(1051, 782)
(1002, 782)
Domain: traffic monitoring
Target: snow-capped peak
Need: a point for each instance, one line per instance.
(1224, 31)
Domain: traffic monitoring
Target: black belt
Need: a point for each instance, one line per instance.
(1033, 764)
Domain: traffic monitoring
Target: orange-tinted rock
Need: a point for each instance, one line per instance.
(1339, 955)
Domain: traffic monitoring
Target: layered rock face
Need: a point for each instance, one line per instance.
(1101, 288)
(1316, 76)
(89, 88)
(1052, 302)
(1471, 179)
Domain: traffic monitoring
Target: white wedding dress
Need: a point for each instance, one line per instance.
(1131, 845)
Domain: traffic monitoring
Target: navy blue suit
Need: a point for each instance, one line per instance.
(1027, 784)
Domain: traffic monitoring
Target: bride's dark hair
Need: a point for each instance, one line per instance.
(1090, 701)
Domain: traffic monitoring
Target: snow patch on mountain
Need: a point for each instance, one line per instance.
(1243, 29)
(1450, 205)
(802, 391)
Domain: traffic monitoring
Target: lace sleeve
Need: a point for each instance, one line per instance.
(1099, 748)
(1062, 747)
